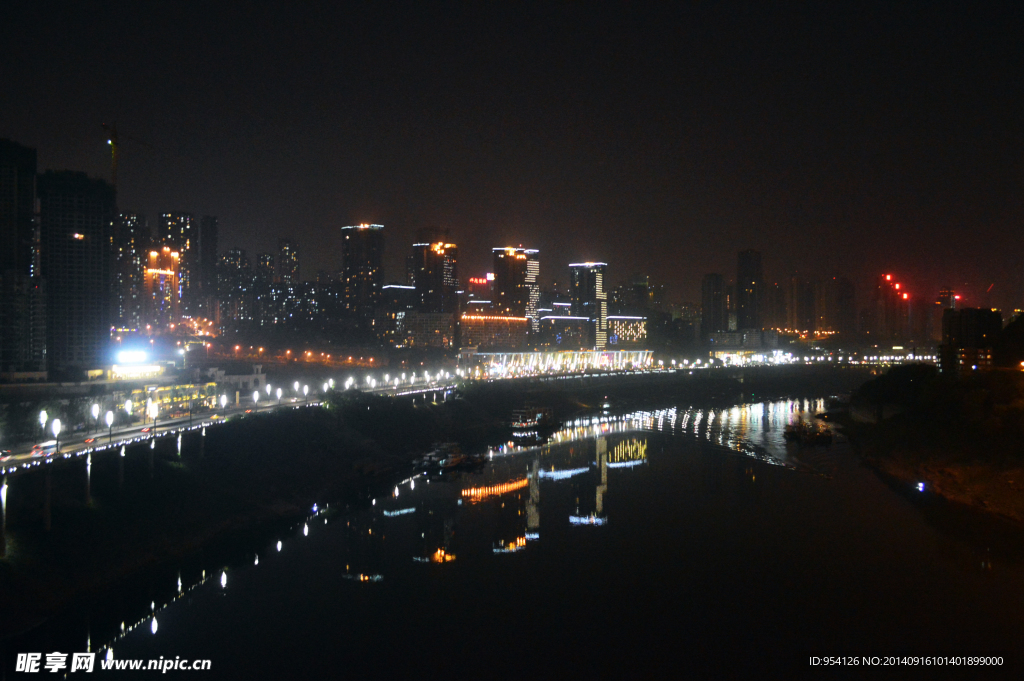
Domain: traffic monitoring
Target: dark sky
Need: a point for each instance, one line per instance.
(660, 137)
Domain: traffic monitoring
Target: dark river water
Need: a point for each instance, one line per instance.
(675, 543)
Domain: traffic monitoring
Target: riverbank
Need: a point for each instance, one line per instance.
(960, 437)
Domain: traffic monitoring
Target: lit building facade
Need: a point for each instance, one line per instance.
(627, 331)
(180, 232)
(493, 331)
(287, 262)
(131, 243)
(714, 314)
(362, 252)
(433, 270)
(430, 330)
(565, 332)
(516, 284)
(162, 288)
(588, 297)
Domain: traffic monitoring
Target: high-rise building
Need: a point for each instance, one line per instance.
(163, 292)
(287, 262)
(889, 316)
(588, 297)
(180, 232)
(362, 253)
(749, 289)
(510, 294)
(131, 244)
(76, 218)
(22, 290)
(433, 269)
(516, 284)
(17, 208)
(713, 313)
(235, 288)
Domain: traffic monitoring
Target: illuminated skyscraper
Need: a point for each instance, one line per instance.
(131, 241)
(433, 270)
(287, 262)
(180, 232)
(362, 252)
(76, 219)
(162, 288)
(588, 297)
(516, 286)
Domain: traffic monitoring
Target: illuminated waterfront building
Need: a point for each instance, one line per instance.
(586, 282)
(162, 288)
(516, 286)
(362, 252)
(433, 270)
(565, 332)
(430, 329)
(398, 301)
(493, 331)
(627, 331)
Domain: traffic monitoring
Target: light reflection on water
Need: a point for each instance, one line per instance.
(415, 524)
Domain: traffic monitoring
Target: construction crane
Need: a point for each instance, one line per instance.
(115, 148)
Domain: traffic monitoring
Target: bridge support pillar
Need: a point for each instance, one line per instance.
(3, 517)
(88, 479)
(47, 498)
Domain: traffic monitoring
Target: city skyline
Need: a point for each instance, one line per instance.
(669, 129)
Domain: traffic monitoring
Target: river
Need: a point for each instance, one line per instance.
(672, 542)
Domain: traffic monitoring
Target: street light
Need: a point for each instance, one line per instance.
(279, 392)
(268, 390)
(96, 413)
(56, 435)
(255, 396)
(223, 401)
(128, 410)
(305, 393)
(154, 410)
(296, 386)
(110, 426)
(42, 422)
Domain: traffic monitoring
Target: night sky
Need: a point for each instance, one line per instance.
(838, 139)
